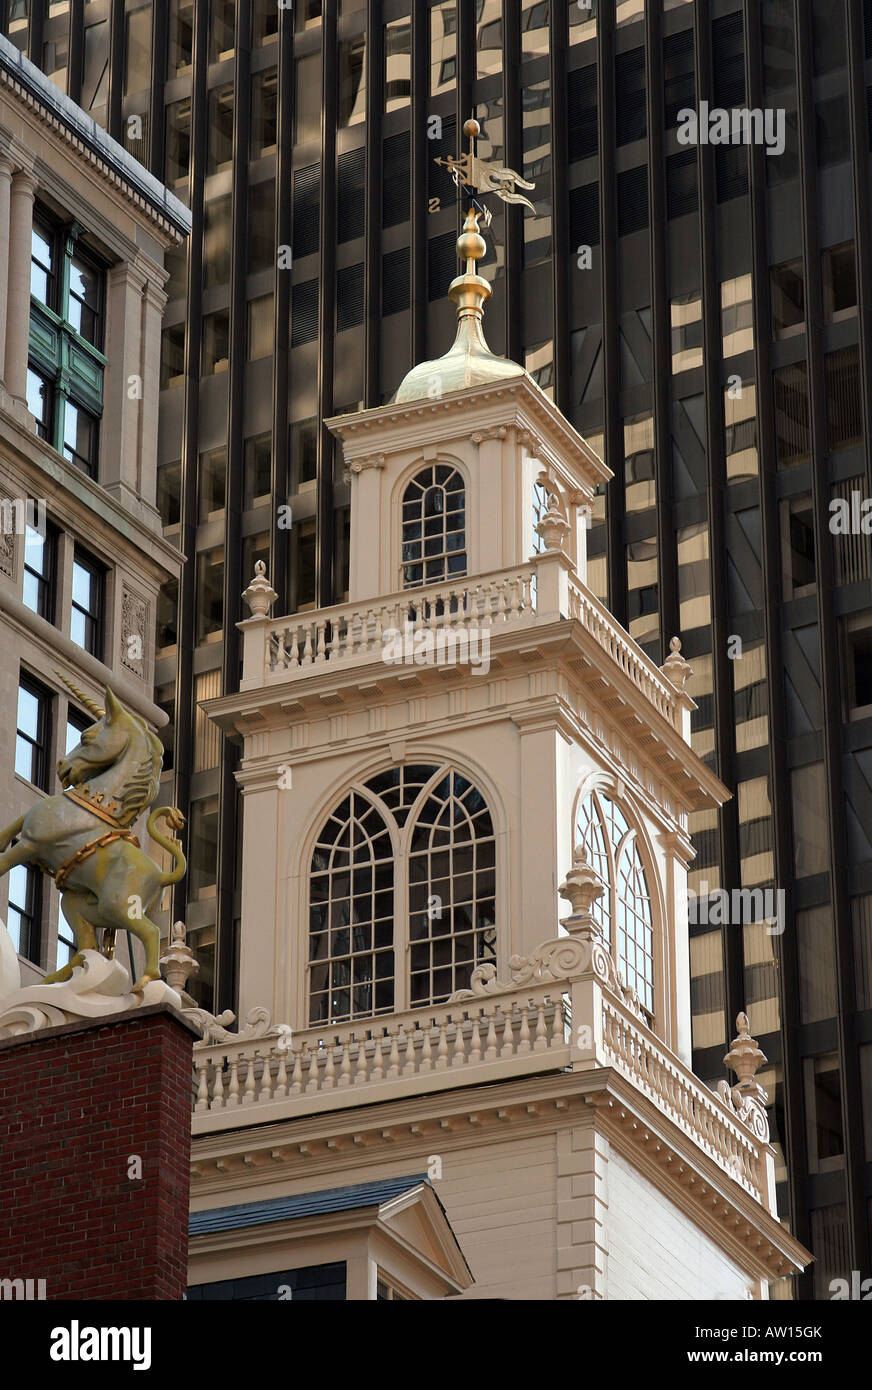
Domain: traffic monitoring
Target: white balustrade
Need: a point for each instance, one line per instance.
(586, 609)
(374, 1052)
(677, 1092)
(356, 631)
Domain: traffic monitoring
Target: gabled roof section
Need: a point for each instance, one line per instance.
(366, 1194)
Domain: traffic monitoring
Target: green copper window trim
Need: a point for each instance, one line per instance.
(72, 366)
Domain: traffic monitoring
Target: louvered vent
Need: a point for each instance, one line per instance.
(396, 179)
(632, 200)
(731, 171)
(678, 88)
(583, 116)
(630, 118)
(350, 199)
(442, 264)
(682, 193)
(307, 213)
(304, 313)
(396, 281)
(584, 223)
(728, 60)
(349, 297)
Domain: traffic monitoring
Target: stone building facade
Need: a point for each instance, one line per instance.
(83, 233)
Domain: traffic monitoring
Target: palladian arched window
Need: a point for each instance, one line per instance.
(402, 894)
(624, 910)
(433, 526)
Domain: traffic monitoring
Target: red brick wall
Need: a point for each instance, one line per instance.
(76, 1103)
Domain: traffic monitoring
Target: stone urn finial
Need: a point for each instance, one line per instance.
(581, 888)
(746, 1059)
(675, 668)
(260, 594)
(179, 961)
(553, 527)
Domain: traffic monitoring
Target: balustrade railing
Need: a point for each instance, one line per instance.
(528, 1026)
(598, 621)
(360, 630)
(692, 1106)
(491, 1037)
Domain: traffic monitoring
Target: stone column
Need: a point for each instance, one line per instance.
(5, 198)
(122, 396)
(18, 297)
(153, 305)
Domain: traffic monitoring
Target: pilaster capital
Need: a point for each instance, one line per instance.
(24, 185)
(126, 273)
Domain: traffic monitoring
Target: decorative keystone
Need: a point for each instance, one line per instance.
(178, 960)
(260, 594)
(746, 1059)
(675, 668)
(581, 888)
(553, 528)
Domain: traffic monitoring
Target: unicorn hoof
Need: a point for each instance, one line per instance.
(141, 983)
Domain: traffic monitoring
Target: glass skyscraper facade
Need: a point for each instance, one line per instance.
(701, 313)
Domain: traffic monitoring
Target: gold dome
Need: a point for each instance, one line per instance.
(469, 362)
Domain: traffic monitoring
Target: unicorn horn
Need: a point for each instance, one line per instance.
(80, 695)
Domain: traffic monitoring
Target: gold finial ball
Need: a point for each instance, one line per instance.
(471, 245)
(471, 128)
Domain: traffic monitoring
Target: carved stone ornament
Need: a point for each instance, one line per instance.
(553, 528)
(358, 466)
(96, 989)
(748, 1099)
(134, 632)
(361, 465)
(582, 886)
(258, 1024)
(7, 553)
(179, 961)
(675, 668)
(260, 595)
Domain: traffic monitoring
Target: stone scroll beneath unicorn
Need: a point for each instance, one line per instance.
(82, 838)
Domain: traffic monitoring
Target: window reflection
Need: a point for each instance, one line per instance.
(398, 64)
(488, 37)
(352, 82)
(534, 28)
(443, 46)
(537, 169)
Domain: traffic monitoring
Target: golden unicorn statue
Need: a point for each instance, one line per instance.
(82, 836)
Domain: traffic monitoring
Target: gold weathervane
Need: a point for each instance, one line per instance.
(471, 173)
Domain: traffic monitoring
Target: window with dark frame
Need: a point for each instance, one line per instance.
(86, 616)
(25, 909)
(32, 731)
(40, 553)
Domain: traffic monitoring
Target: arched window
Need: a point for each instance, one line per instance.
(624, 910)
(434, 527)
(351, 915)
(451, 889)
(368, 901)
